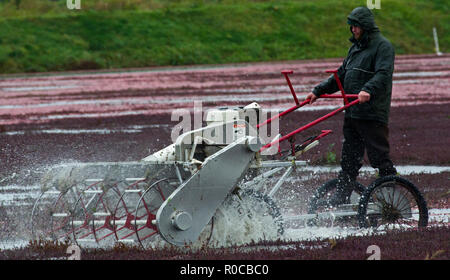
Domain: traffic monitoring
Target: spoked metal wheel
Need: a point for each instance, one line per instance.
(320, 214)
(324, 192)
(42, 213)
(101, 220)
(89, 212)
(243, 218)
(392, 202)
(123, 219)
(147, 207)
(51, 214)
(101, 216)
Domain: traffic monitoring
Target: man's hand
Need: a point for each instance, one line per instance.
(312, 97)
(363, 97)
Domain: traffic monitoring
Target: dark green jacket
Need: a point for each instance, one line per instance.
(368, 67)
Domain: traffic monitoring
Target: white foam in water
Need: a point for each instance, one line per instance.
(19, 188)
(320, 233)
(402, 170)
(13, 244)
(233, 228)
(17, 198)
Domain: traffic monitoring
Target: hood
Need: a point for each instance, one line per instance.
(364, 18)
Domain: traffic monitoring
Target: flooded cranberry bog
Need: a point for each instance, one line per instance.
(125, 115)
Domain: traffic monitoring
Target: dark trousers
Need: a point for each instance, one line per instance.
(365, 135)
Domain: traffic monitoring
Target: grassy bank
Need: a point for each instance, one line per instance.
(150, 33)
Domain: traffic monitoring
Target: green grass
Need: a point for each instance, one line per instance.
(46, 36)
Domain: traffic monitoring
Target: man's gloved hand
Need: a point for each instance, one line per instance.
(363, 96)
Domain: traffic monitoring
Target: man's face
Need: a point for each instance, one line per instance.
(357, 32)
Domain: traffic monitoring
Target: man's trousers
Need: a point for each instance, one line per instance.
(365, 135)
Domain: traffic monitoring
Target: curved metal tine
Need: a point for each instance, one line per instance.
(65, 198)
(116, 219)
(105, 217)
(132, 189)
(83, 224)
(54, 215)
(150, 209)
(148, 213)
(130, 222)
(33, 213)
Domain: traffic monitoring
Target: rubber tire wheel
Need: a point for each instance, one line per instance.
(365, 222)
(326, 188)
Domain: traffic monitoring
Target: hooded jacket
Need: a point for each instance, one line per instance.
(369, 67)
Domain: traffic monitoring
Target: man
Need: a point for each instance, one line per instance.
(367, 71)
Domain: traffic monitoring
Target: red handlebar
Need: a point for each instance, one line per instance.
(298, 105)
(338, 81)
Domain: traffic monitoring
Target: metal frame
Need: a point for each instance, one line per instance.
(298, 105)
(279, 165)
(188, 229)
